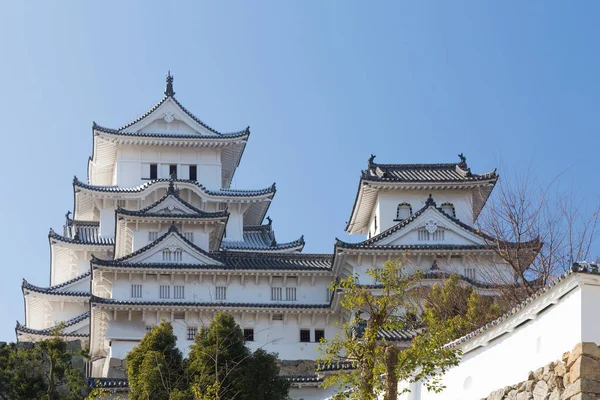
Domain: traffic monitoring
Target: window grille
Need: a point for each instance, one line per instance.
(179, 315)
(290, 293)
(249, 334)
(165, 291)
(438, 235)
(423, 235)
(305, 335)
(136, 291)
(277, 317)
(121, 203)
(179, 292)
(276, 293)
(152, 236)
(189, 236)
(177, 255)
(470, 273)
(149, 328)
(319, 334)
(191, 333)
(166, 255)
(221, 293)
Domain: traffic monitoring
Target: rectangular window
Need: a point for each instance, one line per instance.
(192, 330)
(221, 293)
(319, 334)
(149, 329)
(438, 235)
(193, 173)
(179, 292)
(249, 334)
(276, 293)
(470, 273)
(136, 291)
(173, 171)
(290, 293)
(153, 171)
(165, 291)
(423, 235)
(177, 255)
(189, 236)
(121, 203)
(179, 315)
(152, 236)
(277, 317)
(305, 335)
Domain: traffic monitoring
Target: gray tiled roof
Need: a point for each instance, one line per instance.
(172, 192)
(261, 238)
(220, 304)
(233, 135)
(87, 234)
(221, 192)
(48, 331)
(108, 383)
(275, 261)
(452, 172)
(54, 290)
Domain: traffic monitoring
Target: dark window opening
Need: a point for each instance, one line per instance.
(319, 334)
(173, 171)
(193, 173)
(153, 171)
(249, 334)
(304, 335)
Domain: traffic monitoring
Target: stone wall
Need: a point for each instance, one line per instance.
(575, 377)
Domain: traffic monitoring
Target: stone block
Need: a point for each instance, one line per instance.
(540, 391)
(580, 386)
(496, 395)
(549, 368)
(524, 396)
(587, 348)
(585, 367)
(560, 369)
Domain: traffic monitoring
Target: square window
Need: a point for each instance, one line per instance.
(191, 333)
(319, 334)
(193, 173)
(305, 335)
(153, 171)
(276, 293)
(249, 334)
(290, 294)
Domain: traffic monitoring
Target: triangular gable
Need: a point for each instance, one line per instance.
(168, 116)
(171, 248)
(171, 205)
(440, 230)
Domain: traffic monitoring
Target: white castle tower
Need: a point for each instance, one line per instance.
(156, 234)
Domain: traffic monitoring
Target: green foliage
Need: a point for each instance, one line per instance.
(155, 366)
(460, 308)
(40, 371)
(220, 366)
(392, 305)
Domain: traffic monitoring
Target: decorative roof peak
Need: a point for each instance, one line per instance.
(169, 90)
(430, 202)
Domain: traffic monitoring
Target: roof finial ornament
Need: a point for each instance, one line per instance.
(371, 159)
(430, 201)
(169, 91)
(270, 220)
(463, 161)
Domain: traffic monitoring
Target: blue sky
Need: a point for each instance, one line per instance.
(322, 84)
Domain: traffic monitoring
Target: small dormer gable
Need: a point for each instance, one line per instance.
(171, 248)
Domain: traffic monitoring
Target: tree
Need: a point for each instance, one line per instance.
(42, 370)
(155, 367)
(390, 305)
(538, 231)
(460, 308)
(222, 367)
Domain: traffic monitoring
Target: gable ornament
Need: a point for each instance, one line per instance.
(431, 226)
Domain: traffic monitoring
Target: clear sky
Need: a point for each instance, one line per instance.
(323, 84)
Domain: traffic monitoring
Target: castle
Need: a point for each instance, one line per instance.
(156, 233)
